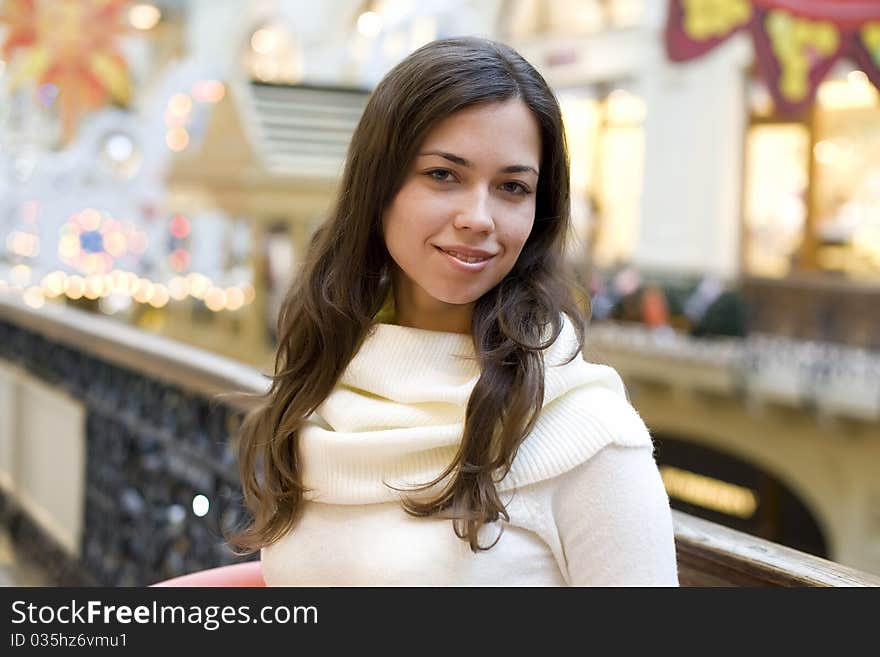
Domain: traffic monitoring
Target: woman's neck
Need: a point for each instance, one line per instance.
(415, 309)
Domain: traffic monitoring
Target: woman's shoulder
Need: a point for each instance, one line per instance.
(565, 367)
(578, 392)
(585, 408)
(591, 394)
(580, 419)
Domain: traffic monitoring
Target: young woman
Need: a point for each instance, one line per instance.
(431, 420)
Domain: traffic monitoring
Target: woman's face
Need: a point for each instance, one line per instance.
(464, 212)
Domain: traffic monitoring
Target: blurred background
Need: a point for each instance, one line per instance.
(163, 164)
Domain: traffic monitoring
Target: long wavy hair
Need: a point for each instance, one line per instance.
(346, 278)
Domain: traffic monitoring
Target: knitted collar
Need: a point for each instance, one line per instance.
(397, 416)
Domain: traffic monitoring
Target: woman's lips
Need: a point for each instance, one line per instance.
(463, 265)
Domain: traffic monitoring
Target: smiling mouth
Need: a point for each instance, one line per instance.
(464, 258)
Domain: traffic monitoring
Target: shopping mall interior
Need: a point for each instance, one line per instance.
(158, 199)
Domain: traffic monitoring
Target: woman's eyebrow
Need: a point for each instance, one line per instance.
(513, 168)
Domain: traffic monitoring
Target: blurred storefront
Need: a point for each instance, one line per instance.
(813, 183)
(811, 244)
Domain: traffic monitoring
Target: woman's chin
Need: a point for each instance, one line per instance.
(456, 298)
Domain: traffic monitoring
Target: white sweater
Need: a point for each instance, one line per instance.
(586, 502)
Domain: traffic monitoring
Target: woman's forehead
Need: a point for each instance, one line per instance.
(505, 130)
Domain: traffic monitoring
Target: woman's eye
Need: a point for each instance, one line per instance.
(440, 175)
(515, 188)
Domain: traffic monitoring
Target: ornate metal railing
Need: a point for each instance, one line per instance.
(835, 379)
(157, 436)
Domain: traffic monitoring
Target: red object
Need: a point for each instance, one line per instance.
(655, 311)
(846, 14)
(248, 574)
(179, 259)
(179, 226)
(72, 45)
(847, 18)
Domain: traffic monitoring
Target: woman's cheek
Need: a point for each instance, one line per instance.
(519, 234)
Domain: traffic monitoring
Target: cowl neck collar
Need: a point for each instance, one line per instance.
(397, 416)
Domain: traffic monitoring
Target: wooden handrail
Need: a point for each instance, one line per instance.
(713, 555)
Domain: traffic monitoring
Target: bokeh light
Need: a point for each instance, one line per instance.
(215, 299)
(265, 40)
(208, 91)
(198, 285)
(177, 139)
(369, 23)
(33, 297)
(234, 298)
(179, 226)
(201, 505)
(144, 16)
(178, 288)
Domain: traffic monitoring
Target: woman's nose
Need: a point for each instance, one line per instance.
(475, 213)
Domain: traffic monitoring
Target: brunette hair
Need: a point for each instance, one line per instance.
(346, 277)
